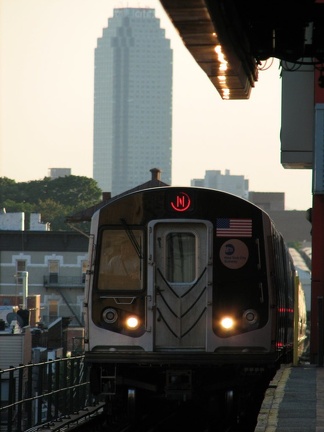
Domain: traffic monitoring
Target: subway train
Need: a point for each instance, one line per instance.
(187, 289)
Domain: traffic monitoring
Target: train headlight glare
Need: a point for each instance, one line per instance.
(132, 322)
(110, 315)
(227, 323)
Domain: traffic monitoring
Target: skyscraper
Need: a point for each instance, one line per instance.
(132, 101)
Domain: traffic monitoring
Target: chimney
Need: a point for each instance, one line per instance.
(156, 174)
(106, 196)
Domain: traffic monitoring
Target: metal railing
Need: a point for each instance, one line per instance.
(41, 392)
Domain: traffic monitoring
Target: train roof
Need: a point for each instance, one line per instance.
(86, 214)
(298, 260)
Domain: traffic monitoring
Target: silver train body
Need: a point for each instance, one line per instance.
(212, 288)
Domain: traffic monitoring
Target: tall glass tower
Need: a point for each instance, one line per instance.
(132, 101)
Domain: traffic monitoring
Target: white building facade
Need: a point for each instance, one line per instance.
(56, 263)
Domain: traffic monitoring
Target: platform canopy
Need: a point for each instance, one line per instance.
(230, 38)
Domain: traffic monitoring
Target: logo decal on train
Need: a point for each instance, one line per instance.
(234, 254)
(181, 202)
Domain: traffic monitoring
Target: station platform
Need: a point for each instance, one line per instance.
(294, 401)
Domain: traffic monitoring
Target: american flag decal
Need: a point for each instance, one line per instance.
(233, 227)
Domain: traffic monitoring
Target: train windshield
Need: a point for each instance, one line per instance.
(121, 265)
(181, 257)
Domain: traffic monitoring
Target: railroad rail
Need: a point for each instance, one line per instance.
(84, 418)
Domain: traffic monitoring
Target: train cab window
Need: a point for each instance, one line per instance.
(121, 263)
(181, 257)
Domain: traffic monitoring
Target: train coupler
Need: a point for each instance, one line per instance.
(108, 380)
(178, 385)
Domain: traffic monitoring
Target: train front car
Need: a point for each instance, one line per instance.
(185, 283)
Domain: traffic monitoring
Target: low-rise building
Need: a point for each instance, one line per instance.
(56, 263)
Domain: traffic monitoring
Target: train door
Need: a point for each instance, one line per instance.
(181, 260)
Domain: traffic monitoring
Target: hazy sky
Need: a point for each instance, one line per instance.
(46, 103)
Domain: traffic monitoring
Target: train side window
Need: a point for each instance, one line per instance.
(121, 263)
(181, 257)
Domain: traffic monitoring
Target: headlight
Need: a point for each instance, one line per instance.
(227, 323)
(132, 322)
(250, 317)
(110, 315)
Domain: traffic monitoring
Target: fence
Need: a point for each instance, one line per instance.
(37, 393)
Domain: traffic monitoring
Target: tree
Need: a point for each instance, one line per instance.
(53, 199)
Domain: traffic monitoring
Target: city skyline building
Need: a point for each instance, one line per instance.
(132, 101)
(214, 179)
(55, 173)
